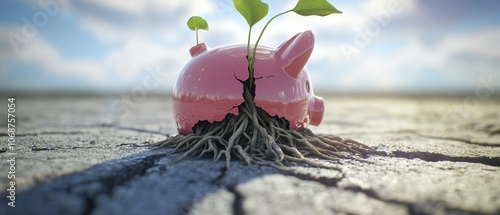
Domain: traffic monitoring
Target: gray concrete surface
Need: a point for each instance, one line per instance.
(85, 155)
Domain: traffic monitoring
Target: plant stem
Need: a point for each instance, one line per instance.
(248, 44)
(250, 72)
(251, 65)
(197, 37)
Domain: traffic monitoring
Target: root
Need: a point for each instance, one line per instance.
(255, 137)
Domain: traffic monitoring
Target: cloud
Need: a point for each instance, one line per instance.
(114, 20)
(5, 49)
(145, 33)
(48, 59)
(452, 65)
(132, 59)
(485, 43)
(465, 57)
(402, 59)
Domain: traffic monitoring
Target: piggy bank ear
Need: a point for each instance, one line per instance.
(294, 53)
(198, 49)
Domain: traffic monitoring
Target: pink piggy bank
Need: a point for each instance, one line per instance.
(207, 88)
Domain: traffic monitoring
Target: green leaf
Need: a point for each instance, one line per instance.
(314, 7)
(252, 10)
(196, 22)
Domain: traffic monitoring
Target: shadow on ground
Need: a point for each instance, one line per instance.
(145, 183)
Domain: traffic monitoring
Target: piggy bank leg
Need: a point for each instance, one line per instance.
(316, 110)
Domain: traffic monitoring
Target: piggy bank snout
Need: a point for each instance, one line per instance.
(316, 110)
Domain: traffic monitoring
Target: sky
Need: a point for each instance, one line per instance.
(394, 46)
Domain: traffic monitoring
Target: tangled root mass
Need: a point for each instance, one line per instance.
(256, 137)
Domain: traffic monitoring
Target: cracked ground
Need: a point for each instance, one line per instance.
(86, 155)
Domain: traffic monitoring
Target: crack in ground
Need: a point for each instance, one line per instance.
(186, 207)
(55, 148)
(404, 131)
(90, 204)
(468, 141)
(46, 133)
(436, 157)
(36, 148)
(84, 189)
(329, 182)
(334, 182)
(129, 171)
(238, 200)
(412, 208)
(217, 180)
(134, 129)
(3, 134)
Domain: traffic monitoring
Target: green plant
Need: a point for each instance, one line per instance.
(196, 23)
(255, 10)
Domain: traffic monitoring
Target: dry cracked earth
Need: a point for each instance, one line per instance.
(86, 155)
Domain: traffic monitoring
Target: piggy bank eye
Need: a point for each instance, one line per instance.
(308, 87)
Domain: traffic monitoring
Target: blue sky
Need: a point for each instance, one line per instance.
(374, 46)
